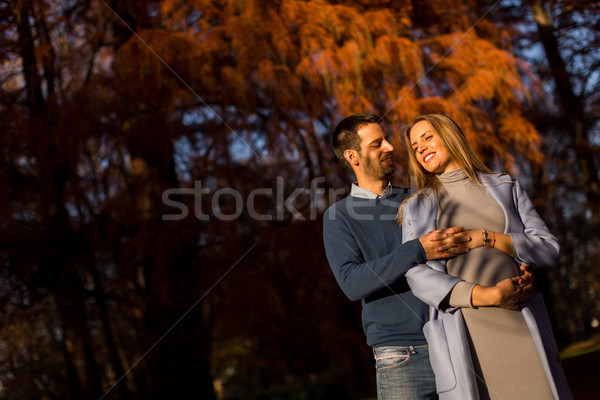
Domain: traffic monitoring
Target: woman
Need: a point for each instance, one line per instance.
(486, 352)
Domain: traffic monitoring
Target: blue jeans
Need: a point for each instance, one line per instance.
(404, 373)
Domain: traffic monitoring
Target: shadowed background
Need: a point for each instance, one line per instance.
(165, 166)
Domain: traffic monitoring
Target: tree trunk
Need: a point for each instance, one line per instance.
(57, 268)
(77, 337)
(111, 341)
(572, 109)
(35, 99)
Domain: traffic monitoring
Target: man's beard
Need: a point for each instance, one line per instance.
(377, 170)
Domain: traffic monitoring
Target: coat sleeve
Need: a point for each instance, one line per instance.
(428, 281)
(358, 278)
(535, 244)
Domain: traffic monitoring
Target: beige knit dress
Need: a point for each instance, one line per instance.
(504, 355)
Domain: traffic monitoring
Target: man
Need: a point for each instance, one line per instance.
(363, 243)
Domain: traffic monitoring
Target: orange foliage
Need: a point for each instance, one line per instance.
(329, 60)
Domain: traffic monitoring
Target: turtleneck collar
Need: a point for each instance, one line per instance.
(452, 177)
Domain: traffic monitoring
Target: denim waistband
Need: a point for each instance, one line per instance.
(390, 351)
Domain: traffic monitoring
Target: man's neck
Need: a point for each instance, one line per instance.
(376, 187)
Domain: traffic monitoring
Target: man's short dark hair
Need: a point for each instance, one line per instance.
(345, 135)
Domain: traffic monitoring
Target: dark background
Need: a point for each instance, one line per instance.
(165, 166)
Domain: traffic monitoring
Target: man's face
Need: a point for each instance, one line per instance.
(376, 153)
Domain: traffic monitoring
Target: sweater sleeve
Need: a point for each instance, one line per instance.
(358, 278)
(461, 294)
(535, 245)
(427, 281)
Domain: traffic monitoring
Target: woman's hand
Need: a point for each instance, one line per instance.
(510, 293)
(507, 293)
(476, 238)
(496, 240)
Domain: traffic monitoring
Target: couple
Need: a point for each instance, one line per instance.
(443, 305)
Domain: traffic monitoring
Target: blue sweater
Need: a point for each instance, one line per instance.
(363, 243)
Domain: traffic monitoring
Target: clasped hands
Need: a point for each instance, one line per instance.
(445, 243)
(451, 242)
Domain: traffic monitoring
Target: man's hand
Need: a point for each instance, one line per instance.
(444, 243)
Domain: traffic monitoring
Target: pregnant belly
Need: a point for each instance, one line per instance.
(484, 266)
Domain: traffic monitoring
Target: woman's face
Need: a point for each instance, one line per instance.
(429, 149)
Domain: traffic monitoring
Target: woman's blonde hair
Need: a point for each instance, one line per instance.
(458, 147)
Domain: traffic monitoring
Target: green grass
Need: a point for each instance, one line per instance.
(582, 347)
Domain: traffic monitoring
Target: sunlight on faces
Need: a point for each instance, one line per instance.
(376, 158)
(430, 150)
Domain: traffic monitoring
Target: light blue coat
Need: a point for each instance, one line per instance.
(445, 331)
